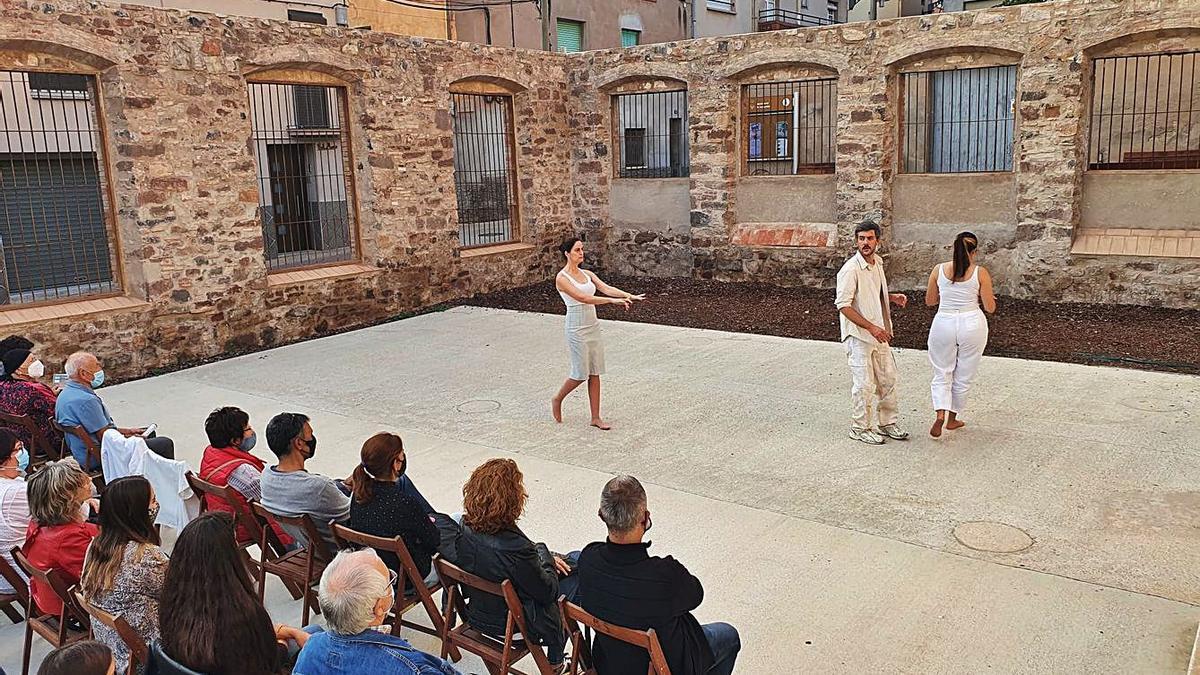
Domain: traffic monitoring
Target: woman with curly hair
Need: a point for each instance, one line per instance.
(493, 547)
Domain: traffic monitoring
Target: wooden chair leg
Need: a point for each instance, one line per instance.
(435, 618)
(10, 610)
(28, 646)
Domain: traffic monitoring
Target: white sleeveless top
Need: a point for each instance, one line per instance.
(579, 314)
(961, 296)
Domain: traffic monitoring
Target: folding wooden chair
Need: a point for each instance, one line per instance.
(139, 652)
(52, 629)
(243, 516)
(9, 602)
(581, 651)
(93, 450)
(409, 577)
(498, 654)
(41, 450)
(302, 567)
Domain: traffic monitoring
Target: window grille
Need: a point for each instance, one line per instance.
(789, 127)
(305, 184)
(1145, 112)
(55, 225)
(958, 121)
(652, 129)
(484, 169)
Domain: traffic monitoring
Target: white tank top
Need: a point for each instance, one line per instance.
(960, 296)
(579, 314)
(587, 288)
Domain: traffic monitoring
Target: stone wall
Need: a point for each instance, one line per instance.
(184, 184)
(1029, 219)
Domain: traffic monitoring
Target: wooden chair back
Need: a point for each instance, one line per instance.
(241, 512)
(498, 653)
(41, 445)
(409, 578)
(9, 602)
(581, 651)
(302, 566)
(53, 629)
(89, 441)
(139, 652)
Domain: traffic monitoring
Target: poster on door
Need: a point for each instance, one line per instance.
(781, 139)
(755, 140)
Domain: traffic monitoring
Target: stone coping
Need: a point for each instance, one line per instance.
(1136, 241)
(494, 250)
(63, 310)
(785, 234)
(289, 277)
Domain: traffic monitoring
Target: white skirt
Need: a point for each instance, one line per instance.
(584, 344)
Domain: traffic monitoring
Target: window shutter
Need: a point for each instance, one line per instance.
(570, 36)
(629, 38)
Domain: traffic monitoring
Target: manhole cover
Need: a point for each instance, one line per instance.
(1148, 404)
(481, 406)
(984, 535)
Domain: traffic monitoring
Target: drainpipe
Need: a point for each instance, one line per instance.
(692, 9)
(544, 8)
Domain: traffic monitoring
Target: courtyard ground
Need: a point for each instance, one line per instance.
(830, 556)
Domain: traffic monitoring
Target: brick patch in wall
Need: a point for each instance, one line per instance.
(784, 234)
(1140, 242)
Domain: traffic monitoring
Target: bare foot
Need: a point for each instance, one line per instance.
(601, 425)
(556, 409)
(936, 429)
(955, 424)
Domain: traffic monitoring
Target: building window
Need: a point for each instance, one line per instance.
(1145, 112)
(958, 121)
(570, 35)
(484, 169)
(55, 225)
(653, 134)
(720, 5)
(788, 127)
(305, 185)
(630, 38)
(307, 17)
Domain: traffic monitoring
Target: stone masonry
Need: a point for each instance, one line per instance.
(195, 283)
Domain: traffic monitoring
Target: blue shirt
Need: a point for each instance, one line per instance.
(368, 652)
(79, 406)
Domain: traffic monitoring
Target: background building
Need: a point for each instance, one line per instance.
(575, 25)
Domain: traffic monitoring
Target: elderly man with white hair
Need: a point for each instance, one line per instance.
(356, 594)
(79, 406)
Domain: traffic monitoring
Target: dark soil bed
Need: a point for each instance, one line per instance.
(1138, 337)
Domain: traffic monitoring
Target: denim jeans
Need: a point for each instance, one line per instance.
(725, 644)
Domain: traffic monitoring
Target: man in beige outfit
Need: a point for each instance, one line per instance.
(866, 319)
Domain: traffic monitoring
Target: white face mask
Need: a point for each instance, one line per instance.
(36, 369)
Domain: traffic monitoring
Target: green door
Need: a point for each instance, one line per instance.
(570, 35)
(629, 38)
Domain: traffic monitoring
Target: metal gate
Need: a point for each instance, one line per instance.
(484, 169)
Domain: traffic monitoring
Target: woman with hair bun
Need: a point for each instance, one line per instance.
(959, 332)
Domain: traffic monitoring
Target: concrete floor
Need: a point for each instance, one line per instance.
(830, 556)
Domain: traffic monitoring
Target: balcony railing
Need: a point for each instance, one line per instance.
(777, 18)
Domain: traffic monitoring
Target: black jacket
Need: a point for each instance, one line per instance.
(624, 585)
(508, 554)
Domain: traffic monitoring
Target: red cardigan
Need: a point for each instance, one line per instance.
(60, 547)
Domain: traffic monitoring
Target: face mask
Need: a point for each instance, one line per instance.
(312, 447)
(403, 467)
(98, 379)
(23, 460)
(248, 442)
(36, 369)
(154, 513)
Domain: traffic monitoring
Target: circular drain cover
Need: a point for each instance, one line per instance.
(1148, 404)
(480, 406)
(984, 535)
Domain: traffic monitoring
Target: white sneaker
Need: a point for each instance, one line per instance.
(894, 432)
(866, 436)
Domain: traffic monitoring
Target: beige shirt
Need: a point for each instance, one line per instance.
(863, 287)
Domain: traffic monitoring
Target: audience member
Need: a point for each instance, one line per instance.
(356, 596)
(386, 507)
(227, 462)
(15, 342)
(86, 657)
(619, 582)
(288, 489)
(14, 500)
(124, 569)
(22, 394)
(491, 546)
(209, 614)
(58, 537)
(79, 406)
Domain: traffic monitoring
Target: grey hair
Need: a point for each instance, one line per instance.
(622, 503)
(55, 492)
(349, 589)
(76, 361)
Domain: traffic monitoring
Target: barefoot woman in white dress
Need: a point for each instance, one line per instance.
(960, 330)
(578, 290)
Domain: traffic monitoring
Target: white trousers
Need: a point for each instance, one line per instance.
(956, 343)
(873, 381)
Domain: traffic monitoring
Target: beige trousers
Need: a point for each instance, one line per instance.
(873, 376)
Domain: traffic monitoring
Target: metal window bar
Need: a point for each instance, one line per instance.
(958, 121)
(302, 147)
(484, 169)
(1145, 112)
(789, 127)
(55, 223)
(653, 134)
